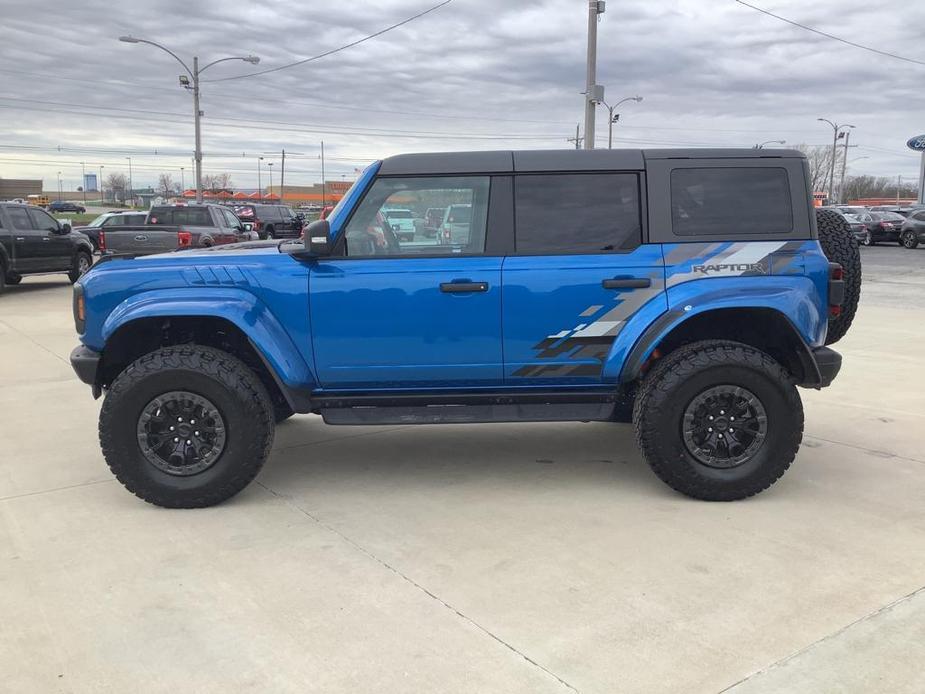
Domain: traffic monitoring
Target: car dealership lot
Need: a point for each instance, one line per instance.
(490, 558)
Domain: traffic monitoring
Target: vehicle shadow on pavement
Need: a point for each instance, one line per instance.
(31, 286)
(311, 454)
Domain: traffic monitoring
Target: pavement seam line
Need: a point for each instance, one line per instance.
(34, 341)
(885, 454)
(838, 632)
(417, 585)
(56, 489)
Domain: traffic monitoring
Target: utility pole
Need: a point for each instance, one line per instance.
(594, 93)
(270, 169)
(577, 139)
(259, 182)
(844, 165)
(83, 180)
(182, 181)
(59, 186)
(282, 176)
(899, 184)
(322, 177)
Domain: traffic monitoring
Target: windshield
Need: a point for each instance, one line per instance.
(99, 220)
(398, 214)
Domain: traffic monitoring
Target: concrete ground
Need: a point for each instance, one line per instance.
(483, 558)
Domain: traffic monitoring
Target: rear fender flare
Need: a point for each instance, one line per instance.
(795, 298)
(237, 306)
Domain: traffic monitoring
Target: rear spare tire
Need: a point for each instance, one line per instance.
(840, 246)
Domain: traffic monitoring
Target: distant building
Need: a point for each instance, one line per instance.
(332, 193)
(90, 183)
(19, 188)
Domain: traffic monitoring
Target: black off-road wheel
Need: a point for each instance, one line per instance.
(840, 246)
(186, 426)
(80, 266)
(718, 420)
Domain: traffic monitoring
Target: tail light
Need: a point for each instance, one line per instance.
(102, 241)
(184, 239)
(836, 289)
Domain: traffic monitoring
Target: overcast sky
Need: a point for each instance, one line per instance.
(475, 74)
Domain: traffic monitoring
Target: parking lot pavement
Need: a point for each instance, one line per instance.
(482, 558)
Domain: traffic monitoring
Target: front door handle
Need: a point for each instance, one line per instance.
(627, 283)
(461, 287)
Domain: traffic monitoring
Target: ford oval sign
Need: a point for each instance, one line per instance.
(917, 143)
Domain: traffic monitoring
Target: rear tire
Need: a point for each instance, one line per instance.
(672, 413)
(840, 247)
(81, 264)
(231, 400)
(909, 240)
(270, 233)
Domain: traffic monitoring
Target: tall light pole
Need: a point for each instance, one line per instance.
(131, 188)
(101, 185)
(182, 180)
(611, 118)
(594, 93)
(185, 82)
(761, 145)
(270, 169)
(83, 181)
(59, 186)
(323, 200)
(836, 135)
(259, 182)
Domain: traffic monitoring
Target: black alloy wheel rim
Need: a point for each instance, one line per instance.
(181, 433)
(724, 426)
(908, 239)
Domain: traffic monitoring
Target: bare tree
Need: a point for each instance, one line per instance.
(166, 183)
(117, 184)
(861, 187)
(820, 165)
(220, 181)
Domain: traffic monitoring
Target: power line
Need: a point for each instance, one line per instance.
(830, 36)
(335, 50)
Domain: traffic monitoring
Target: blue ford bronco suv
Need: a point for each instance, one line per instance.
(687, 291)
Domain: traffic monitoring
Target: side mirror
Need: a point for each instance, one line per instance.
(396, 227)
(317, 238)
(64, 228)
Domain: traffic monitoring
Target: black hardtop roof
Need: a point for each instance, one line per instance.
(559, 160)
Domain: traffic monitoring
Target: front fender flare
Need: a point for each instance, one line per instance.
(237, 306)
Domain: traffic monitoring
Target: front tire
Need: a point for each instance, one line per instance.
(909, 240)
(222, 421)
(685, 420)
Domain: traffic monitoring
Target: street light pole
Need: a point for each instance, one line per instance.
(270, 169)
(83, 181)
(836, 127)
(182, 180)
(761, 145)
(131, 187)
(59, 186)
(259, 183)
(101, 185)
(611, 119)
(185, 82)
(844, 166)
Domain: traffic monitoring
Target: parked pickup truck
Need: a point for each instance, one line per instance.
(687, 291)
(142, 239)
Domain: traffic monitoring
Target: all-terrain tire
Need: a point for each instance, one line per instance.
(688, 372)
(224, 380)
(80, 265)
(840, 246)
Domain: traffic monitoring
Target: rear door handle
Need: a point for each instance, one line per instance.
(627, 283)
(461, 287)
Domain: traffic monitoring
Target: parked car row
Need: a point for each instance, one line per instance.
(885, 223)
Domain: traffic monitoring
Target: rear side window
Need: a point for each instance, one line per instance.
(192, 217)
(730, 201)
(576, 213)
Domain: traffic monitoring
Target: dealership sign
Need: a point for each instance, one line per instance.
(917, 143)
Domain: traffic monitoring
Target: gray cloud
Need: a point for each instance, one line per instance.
(477, 74)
